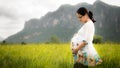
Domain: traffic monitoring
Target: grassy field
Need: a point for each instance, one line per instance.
(53, 56)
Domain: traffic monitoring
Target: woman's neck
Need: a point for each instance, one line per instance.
(88, 20)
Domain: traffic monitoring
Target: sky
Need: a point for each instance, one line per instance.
(14, 13)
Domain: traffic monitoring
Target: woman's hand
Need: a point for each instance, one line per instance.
(74, 50)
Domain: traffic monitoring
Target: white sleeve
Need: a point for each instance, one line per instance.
(89, 32)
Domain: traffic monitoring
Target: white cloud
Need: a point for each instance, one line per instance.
(9, 26)
(112, 2)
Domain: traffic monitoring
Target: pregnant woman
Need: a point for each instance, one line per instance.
(83, 50)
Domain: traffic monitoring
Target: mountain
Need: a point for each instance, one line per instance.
(63, 23)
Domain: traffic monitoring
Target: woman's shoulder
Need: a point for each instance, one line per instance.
(89, 24)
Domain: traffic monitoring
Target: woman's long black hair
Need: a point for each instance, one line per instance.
(83, 11)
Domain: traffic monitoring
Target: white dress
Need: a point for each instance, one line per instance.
(87, 55)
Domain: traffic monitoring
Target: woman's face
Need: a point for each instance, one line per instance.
(81, 17)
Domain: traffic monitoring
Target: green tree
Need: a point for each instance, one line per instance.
(97, 39)
(3, 42)
(54, 39)
(23, 43)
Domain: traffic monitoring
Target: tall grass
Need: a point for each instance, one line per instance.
(53, 56)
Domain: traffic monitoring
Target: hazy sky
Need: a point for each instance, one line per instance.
(14, 13)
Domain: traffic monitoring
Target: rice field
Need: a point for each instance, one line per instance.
(53, 56)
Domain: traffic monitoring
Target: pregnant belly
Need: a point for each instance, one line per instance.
(76, 40)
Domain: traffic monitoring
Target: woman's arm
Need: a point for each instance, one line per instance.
(82, 44)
